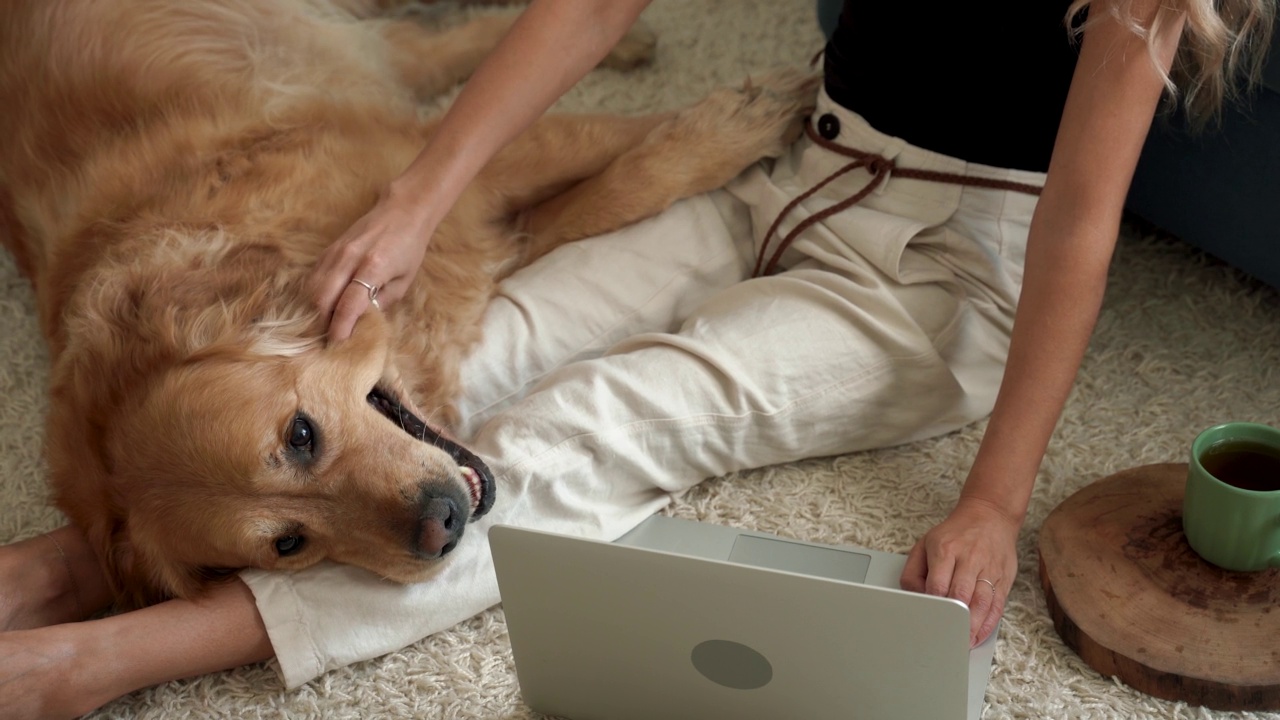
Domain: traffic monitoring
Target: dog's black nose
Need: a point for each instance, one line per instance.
(441, 524)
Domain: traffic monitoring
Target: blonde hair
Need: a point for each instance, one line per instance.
(1221, 53)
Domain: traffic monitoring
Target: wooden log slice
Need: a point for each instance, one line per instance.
(1131, 597)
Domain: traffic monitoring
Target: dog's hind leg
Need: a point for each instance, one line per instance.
(559, 151)
(694, 151)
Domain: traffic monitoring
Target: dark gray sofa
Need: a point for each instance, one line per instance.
(1219, 190)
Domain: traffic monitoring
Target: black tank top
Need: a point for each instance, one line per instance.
(984, 82)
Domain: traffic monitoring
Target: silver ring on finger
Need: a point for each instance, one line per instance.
(993, 585)
(373, 292)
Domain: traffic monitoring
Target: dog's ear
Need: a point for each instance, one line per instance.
(101, 366)
(140, 573)
(101, 371)
(124, 326)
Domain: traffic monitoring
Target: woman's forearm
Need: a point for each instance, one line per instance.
(1063, 286)
(173, 640)
(550, 47)
(68, 669)
(1108, 113)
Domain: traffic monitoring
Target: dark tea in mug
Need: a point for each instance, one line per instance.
(1231, 503)
(1246, 464)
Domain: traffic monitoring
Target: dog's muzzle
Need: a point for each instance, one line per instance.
(479, 478)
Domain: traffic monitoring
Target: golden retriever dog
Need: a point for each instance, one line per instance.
(169, 173)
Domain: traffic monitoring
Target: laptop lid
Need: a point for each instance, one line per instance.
(612, 631)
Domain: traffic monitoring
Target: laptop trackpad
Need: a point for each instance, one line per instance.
(800, 558)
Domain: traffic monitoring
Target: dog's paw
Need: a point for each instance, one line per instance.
(776, 103)
(761, 118)
(636, 48)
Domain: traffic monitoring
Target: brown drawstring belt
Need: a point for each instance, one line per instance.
(880, 167)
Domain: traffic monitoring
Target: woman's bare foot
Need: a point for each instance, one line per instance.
(49, 579)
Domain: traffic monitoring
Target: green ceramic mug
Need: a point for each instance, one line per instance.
(1231, 510)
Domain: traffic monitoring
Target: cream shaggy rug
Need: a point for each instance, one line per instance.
(1183, 343)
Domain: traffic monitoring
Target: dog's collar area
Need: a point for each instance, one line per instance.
(479, 478)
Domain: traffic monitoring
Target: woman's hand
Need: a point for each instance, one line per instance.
(564, 39)
(970, 556)
(384, 249)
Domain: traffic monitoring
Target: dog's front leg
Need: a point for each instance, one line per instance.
(692, 152)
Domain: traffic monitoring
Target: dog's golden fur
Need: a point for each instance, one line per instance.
(169, 171)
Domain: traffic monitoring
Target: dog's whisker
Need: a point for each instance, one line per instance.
(431, 416)
(401, 413)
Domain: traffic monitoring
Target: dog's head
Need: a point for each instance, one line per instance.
(200, 425)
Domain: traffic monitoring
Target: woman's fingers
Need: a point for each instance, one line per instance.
(979, 594)
(371, 265)
(948, 562)
(334, 271)
(356, 299)
(916, 569)
(995, 610)
(351, 304)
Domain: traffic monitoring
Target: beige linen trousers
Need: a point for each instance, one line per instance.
(620, 371)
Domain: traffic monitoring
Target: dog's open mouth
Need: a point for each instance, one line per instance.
(479, 478)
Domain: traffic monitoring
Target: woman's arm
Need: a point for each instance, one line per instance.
(64, 671)
(1113, 98)
(551, 46)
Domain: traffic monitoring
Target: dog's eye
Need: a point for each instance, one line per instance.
(289, 544)
(301, 436)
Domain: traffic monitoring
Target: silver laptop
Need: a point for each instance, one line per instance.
(681, 619)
